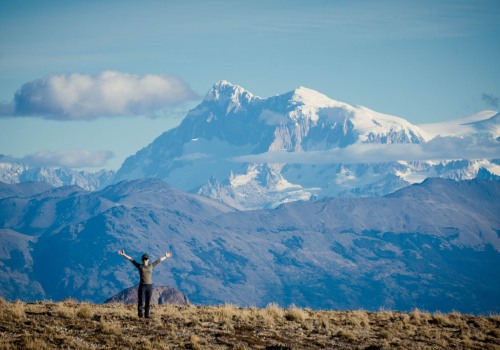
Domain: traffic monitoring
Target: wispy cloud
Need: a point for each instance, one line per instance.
(107, 94)
(69, 158)
(381, 20)
(440, 148)
(490, 100)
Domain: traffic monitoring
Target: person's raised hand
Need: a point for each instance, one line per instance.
(168, 255)
(121, 252)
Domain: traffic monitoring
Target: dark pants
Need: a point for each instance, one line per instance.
(145, 292)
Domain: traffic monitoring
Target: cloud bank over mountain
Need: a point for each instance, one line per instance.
(69, 158)
(106, 94)
(439, 148)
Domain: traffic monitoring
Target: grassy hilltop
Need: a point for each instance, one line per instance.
(73, 325)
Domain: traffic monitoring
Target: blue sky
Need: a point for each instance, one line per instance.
(424, 61)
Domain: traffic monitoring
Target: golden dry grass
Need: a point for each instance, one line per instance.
(72, 325)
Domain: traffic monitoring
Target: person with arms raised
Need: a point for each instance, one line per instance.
(146, 280)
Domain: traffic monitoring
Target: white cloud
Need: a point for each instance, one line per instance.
(272, 118)
(439, 148)
(192, 157)
(107, 94)
(69, 158)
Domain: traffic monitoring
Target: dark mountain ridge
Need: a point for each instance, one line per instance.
(434, 246)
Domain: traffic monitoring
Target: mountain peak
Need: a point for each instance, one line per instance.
(225, 91)
(223, 84)
(312, 98)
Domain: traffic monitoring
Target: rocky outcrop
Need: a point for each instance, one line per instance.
(161, 295)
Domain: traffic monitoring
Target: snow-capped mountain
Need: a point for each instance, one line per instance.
(15, 171)
(251, 152)
(434, 246)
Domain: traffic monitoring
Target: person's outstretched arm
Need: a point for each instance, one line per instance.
(122, 253)
(163, 258)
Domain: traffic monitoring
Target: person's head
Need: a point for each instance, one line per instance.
(145, 259)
